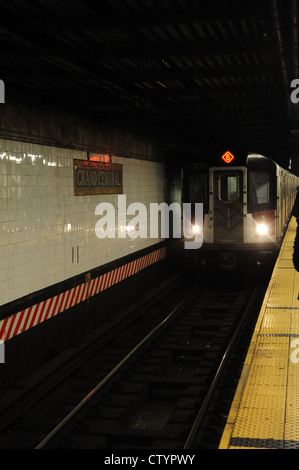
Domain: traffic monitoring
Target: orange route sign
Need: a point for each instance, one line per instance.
(228, 157)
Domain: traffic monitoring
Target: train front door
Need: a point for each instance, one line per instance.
(228, 206)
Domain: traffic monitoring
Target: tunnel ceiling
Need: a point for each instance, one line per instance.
(188, 71)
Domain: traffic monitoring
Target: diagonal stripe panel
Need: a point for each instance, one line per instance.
(49, 308)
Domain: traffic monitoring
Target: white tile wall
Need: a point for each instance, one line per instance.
(42, 223)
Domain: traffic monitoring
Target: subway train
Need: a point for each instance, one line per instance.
(247, 201)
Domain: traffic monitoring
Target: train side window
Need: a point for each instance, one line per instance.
(229, 188)
(259, 188)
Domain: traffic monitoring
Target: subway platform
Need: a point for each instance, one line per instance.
(265, 410)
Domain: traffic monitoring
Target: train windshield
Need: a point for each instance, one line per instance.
(259, 188)
(198, 188)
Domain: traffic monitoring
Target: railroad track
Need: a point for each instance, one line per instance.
(154, 396)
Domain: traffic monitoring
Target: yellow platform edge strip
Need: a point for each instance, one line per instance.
(228, 430)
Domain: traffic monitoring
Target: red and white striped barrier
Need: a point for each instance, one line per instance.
(32, 316)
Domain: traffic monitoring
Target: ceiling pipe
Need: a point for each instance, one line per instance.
(295, 61)
(281, 48)
(295, 36)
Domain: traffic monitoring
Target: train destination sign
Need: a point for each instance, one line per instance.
(228, 157)
(97, 178)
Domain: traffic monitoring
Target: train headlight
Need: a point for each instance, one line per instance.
(262, 229)
(264, 223)
(195, 229)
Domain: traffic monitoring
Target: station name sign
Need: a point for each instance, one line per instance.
(97, 178)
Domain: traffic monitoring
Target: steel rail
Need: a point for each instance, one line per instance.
(91, 394)
(201, 414)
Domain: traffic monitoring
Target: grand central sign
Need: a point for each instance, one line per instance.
(97, 178)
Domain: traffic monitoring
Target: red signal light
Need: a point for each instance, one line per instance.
(228, 157)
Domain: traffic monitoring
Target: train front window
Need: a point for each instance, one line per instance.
(259, 188)
(198, 188)
(229, 188)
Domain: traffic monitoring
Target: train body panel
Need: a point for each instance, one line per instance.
(227, 205)
(246, 209)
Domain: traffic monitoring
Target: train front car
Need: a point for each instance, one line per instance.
(271, 192)
(246, 210)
